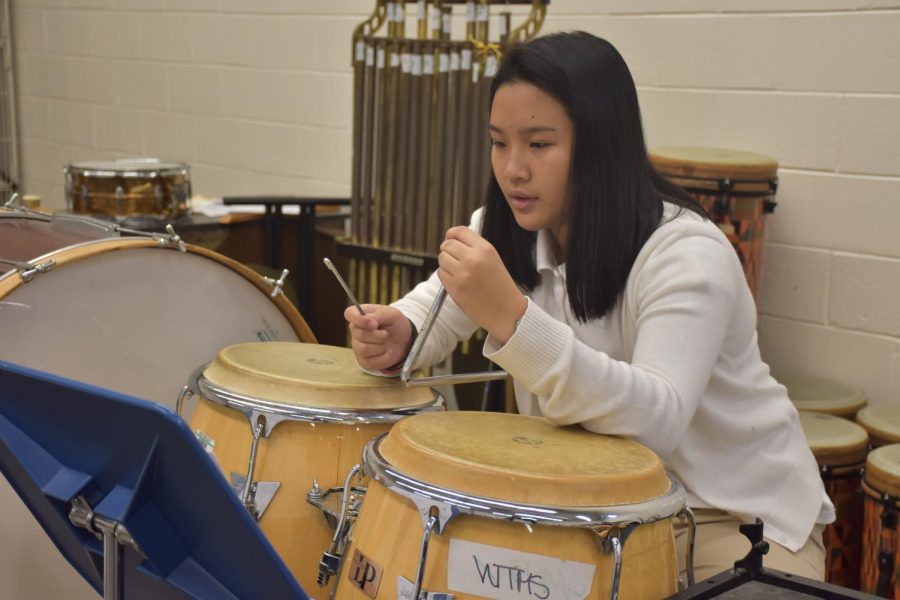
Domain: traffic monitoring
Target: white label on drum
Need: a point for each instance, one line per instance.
(501, 573)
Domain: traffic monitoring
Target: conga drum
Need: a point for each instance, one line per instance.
(494, 505)
(135, 315)
(128, 186)
(296, 418)
(820, 395)
(882, 421)
(840, 448)
(736, 188)
(881, 543)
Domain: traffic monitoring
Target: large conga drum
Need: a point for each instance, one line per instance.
(296, 417)
(881, 542)
(128, 186)
(493, 505)
(736, 188)
(882, 421)
(815, 394)
(135, 315)
(840, 448)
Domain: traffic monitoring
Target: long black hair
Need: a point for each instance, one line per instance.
(617, 196)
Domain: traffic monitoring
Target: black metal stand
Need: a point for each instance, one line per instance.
(750, 580)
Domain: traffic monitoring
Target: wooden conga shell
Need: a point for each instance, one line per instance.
(882, 502)
(815, 394)
(840, 448)
(279, 376)
(882, 421)
(514, 459)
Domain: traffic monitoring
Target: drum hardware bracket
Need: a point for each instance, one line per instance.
(277, 284)
(333, 557)
(28, 270)
(254, 495)
(115, 539)
(260, 496)
(183, 395)
(329, 502)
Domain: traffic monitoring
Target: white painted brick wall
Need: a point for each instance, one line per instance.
(255, 95)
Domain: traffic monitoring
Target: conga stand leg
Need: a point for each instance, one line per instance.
(430, 525)
(688, 514)
(612, 540)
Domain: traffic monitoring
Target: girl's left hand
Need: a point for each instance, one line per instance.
(474, 276)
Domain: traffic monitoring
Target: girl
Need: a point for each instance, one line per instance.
(616, 304)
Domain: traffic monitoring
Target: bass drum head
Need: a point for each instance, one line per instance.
(126, 315)
(134, 318)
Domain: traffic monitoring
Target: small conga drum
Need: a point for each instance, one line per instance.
(292, 419)
(882, 421)
(736, 188)
(881, 543)
(128, 186)
(814, 394)
(493, 505)
(840, 448)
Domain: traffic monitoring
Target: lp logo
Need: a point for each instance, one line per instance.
(364, 573)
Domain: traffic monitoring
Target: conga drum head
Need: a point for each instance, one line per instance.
(834, 441)
(311, 375)
(883, 469)
(822, 395)
(696, 164)
(523, 459)
(882, 421)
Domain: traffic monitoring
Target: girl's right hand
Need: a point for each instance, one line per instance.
(381, 338)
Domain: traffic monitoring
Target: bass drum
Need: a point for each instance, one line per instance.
(124, 314)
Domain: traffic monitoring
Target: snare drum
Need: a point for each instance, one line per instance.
(120, 313)
(296, 417)
(736, 188)
(510, 506)
(881, 542)
(128, 186)
(822, 395)
(840, 448)
(882, 421)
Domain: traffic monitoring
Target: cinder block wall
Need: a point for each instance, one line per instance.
(255, 95)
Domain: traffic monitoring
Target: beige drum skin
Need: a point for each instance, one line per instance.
(882, 421)
(814, 394)
(511, 459)
(276, 379)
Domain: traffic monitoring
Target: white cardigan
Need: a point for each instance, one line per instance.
(675, 365)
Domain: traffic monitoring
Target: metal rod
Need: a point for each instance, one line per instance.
(344, 285)
(423, 335)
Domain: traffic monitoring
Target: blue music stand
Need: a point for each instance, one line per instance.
(128, 496)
